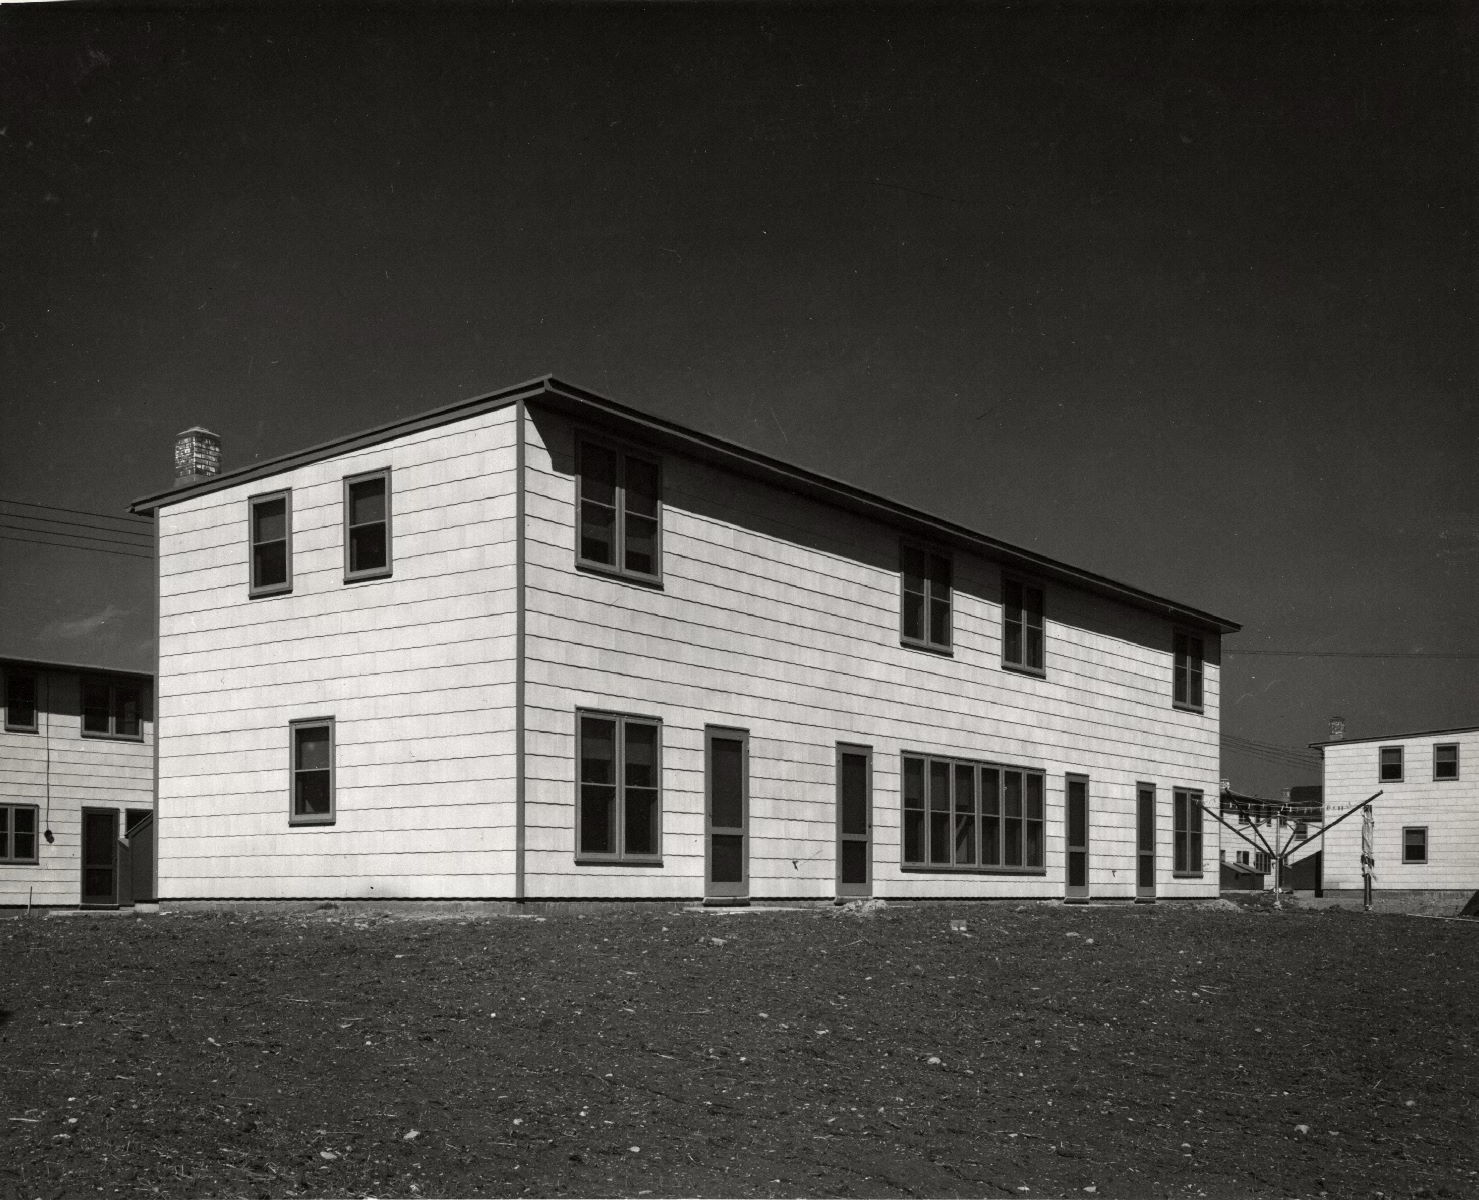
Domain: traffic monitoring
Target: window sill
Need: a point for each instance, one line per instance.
(609, 572)
(1019, 669)
(285, 589)
(946, 869)
(928, 647)
(22, 729)
(366, 576)
(94, 735)
(1187, 874)
(309, 822)
(19, 862)
(1182, 706)
(589, 860)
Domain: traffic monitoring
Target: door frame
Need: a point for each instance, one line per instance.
(1145, 793)
(1071, 892)
(853, 891)
(726, 893)
(82, 839)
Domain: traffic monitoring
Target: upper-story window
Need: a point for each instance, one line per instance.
(1022, 626)
(620, 512)
(367, 526)
(1445, 761)
(1391, 764)
(20, 700)
(1187, 689)
(271, 532)
(113, 708)
(925, 609)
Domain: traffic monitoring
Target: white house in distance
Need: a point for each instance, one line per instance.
(541, 646)
(76, 786)
(1426, 819)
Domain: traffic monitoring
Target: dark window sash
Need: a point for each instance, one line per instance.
(21, 707)
(1001, 829)
(613, 535)
(611, 806)
(270, 559)
(113, 710)
(310, 781)
(367, 543)
(1024, 637)
(18, 834)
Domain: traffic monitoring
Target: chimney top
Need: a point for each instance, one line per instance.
(197, 455)
(1337, 728)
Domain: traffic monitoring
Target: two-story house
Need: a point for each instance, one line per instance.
(538, 645)
(76, 786)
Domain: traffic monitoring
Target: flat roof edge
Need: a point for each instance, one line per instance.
(1393, 737)
(12, 660)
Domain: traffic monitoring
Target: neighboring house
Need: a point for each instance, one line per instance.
(1426, 819)
(1260, 830)
(76, 786)
(539, 646)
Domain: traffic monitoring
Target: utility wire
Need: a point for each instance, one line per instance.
(122, 534)
(10, 537)
(142, 522)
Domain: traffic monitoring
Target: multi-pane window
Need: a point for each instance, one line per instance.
(1415, 844)
(925, 585)
(961, 815)
(620, 509)
(1186, 811)
(1189, 670)
(112, 708)
(1445, 761)
(1022, 625)
(20, 700)
(367, 526)
(1391, 764)
(270, 522)
(311, 765)
(1261, 862)
(618, 805)
(17, 833)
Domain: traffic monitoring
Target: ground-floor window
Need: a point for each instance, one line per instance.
(618, 802)
(18, 833)
(963, 815)
(1186, 815)
(1415, 844)
(312, 770)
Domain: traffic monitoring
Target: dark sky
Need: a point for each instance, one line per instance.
(1181, 294)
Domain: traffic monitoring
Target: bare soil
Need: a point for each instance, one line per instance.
(1044, 1050)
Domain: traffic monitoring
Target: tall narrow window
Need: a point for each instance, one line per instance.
(1391, 764)
(20, 700)
(1187, 832)
(925, 601)
(618, 807)
(1188, 672)
(367, 526)
(113, 708)
(620, 513)
(312, 769)
(1415, 844)
(961, 815)
(1445, 761)
(271, 520)
(17, 833)
(1022, 626)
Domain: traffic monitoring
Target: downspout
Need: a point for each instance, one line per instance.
(519, 652)
(154, 697)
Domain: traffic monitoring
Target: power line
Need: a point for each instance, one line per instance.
(1286, 751)
(10, 537)
(148, 539)
(142, 522)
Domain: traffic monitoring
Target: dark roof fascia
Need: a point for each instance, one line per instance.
(589, 406)
(1393, 737)
(37, 664)
(149, 505)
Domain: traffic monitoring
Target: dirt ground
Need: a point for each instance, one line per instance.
(1042, 1051)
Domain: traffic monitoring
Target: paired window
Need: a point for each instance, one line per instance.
(1261, 862)
(1445, 762)
(1186, 807)
(112, 708)
(1244, 857)
(1391, 764)
(18, 833)
(925, 608)
(20, 700)
(1189, 671)
(618, 807)
(270, 521)
(367, 526)
(311, 767)
(1415, 844)
(1022, 626)
(961, 815)
(620, 511)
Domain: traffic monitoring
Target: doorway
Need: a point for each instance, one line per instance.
(100, 856)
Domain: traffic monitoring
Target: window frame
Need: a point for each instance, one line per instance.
(978, 768)
(7, 835)
(1415, 862)
(928, 642)
(382, 572)
(1185, 802)
(13, 673)
(1437, 746)
(620, 856)
(1020, 665)
(1181, 691)
(618, 569)
(312, 820)
(1381, 766)
(254, 589)
(113, 686)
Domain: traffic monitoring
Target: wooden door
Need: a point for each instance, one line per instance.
(1145, 842)
(727, 813)
(99, 856)
(854, 820)
(1077, 803)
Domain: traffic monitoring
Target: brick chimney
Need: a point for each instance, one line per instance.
(197, 455)
(1337, 728)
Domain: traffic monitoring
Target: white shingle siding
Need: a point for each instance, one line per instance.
(417, 670)
(1448, 808)
(780, 615)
